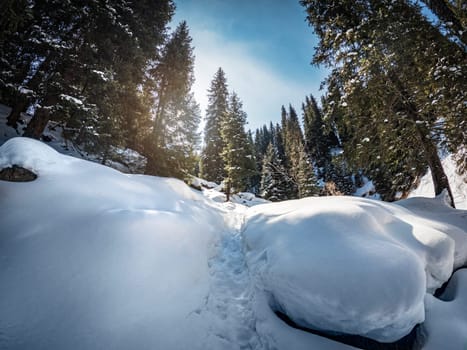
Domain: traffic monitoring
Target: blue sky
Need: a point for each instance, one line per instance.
(264, 46)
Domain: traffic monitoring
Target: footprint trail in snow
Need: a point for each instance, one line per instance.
(231, 294)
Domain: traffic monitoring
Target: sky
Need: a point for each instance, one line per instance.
(265, 48)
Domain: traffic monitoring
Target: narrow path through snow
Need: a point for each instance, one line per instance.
(231, 294)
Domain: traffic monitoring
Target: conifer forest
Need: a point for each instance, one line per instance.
(112, 76)
(233, 174)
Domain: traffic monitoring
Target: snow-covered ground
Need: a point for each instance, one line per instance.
(93, 258)
(457, 182)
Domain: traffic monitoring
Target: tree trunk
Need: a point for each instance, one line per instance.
(16, 111)
(440, 180)
(227, 190)
(38, 123)
(23, 101)
(153, 145)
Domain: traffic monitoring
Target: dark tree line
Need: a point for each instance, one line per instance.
(109, 73)
(112, 75)
(295, 163)
(396, 91)
(395, 97)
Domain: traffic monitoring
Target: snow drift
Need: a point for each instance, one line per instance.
(446, 319)
(349, 265)
(93, 258)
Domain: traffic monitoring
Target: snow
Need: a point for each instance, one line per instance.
(72, 99)
(317, 258)
(128, 161)
(102, 75)
(367, 190)
(94, 258)
(439, 215)
(198, 182)
(31, 154)
(445, 326)
(25, 91)
(457, 182)
(248, 199)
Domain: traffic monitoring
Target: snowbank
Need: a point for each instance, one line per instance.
(347, 264)
(445, 326)
(442, 217)
(93, 258)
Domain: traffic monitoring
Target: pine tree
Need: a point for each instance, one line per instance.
(171, 144)
(212, 164)
(83, 65)
(306, 179)
(239, 163)
(318, 140)
(254, 180)
(293, 144)
(275, 181)
(278, 143)
(385, 57)
(263, 136)
(15, 15)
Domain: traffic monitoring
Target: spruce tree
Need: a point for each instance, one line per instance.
(387, 71)
(306, 179)
(318, 140)
(293, 145)
(171, 144)
(275, 181)
(239, 163)
(84, 65)
(278, 143)
(212, 164)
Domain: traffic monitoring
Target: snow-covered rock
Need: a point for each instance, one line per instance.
(201, 183)
(248, 199)
(347, 264)
(32, 155)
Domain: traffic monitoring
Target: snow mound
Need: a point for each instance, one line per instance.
(347, 264)
(28, 153)
(200, 183)
(248, 199)
(95, 259)
(441, 216)
(445, 326)
(123, 159)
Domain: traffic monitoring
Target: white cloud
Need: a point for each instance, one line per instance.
(262, 89)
